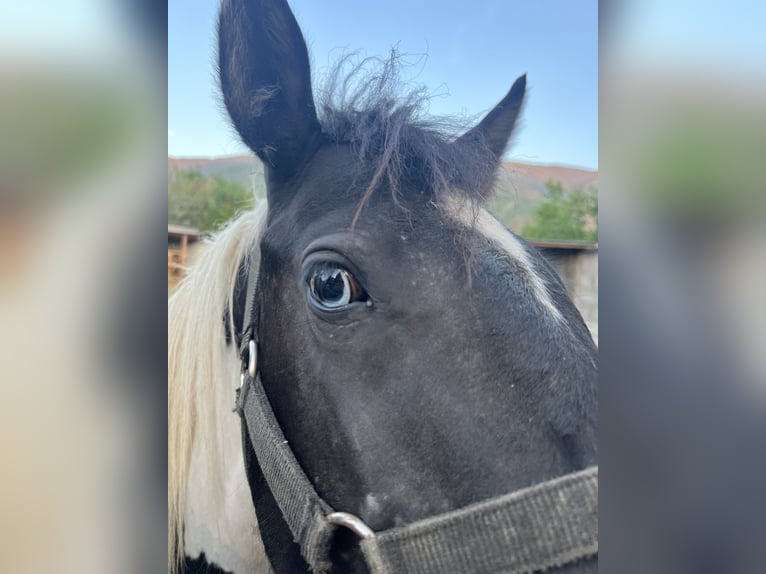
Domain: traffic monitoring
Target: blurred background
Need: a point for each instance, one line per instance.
(82, 305)
(83, 177)
(682, 118)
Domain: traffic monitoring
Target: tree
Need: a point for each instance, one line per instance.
(204, 202)
(567, 216)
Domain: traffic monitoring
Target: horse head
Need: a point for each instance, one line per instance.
(417, 355)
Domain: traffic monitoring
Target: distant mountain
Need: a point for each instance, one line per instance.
(242, 169)
(520, 186)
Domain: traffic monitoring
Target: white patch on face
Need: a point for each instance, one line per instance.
(462, 211)
(371, 503)
(370, 508)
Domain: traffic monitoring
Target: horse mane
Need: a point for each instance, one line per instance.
(367, 105)
(197, 356)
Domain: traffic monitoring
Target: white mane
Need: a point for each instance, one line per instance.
(209, 503)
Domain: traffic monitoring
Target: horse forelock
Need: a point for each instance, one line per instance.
(200, 422)
(367, 106)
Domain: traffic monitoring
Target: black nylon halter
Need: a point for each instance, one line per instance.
(545, 526)
(275, 532)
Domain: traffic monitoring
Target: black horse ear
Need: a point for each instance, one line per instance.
(493, 133)
(266, 82)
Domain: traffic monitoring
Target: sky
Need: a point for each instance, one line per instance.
(467, 54)
(687, 33)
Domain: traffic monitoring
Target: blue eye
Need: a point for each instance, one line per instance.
(332, 287)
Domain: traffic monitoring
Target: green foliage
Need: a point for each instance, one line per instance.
(204, 202)
(565, 216)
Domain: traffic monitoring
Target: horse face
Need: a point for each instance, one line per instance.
(370, 340)
(407, 359)
(417, 355)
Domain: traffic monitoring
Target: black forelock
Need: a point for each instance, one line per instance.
(366, 106)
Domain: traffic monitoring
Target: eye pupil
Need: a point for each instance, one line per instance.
(332, 287)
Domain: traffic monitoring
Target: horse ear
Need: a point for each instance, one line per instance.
(493, 133)
(266, 82)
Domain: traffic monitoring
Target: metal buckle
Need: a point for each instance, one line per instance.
(250, 363)
(353, 523)
(251, 358)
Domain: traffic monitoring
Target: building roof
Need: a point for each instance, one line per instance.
(183, 230)
(565, 245)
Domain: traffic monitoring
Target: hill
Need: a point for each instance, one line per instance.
(520, 186)
(245, 170)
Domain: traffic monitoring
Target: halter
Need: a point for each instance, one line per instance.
(544, 526)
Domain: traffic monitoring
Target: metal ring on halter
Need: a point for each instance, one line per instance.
(251, 358)
(353, 523)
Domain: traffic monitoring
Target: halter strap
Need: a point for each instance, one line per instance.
(533, 529)
(547, 525)
(248, 329)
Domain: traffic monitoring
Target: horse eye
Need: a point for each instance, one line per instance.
(332, 287)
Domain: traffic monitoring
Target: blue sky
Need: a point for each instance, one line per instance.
(474, 51)
(711, 36)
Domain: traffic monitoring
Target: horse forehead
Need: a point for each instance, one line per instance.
(337, 173)
(331, 168)
(384, 232)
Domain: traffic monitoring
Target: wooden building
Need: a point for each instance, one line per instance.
(180, 240)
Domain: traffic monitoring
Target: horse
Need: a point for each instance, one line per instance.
(415, 364)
